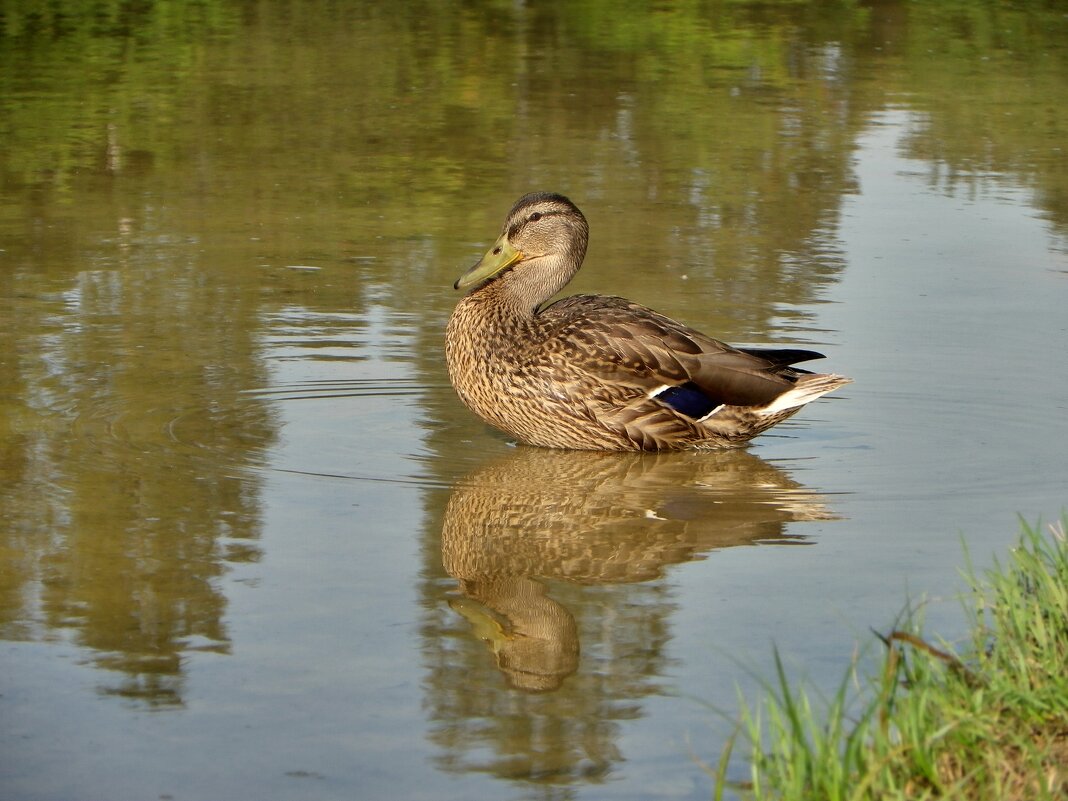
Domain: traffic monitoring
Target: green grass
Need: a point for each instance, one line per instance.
(989, 722)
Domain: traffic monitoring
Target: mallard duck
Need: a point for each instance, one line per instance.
(593, 372)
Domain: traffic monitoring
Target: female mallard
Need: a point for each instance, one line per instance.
(602, 373)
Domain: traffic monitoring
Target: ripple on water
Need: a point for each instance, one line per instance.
(361, 429)
(347, 388)
(209, 435)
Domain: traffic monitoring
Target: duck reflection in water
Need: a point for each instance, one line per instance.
(596, 518)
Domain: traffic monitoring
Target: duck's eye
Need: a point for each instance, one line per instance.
(535, 216)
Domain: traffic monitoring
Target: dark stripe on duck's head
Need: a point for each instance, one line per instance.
(516, 227)
(687, 399)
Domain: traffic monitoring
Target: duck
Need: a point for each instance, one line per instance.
(598, 372)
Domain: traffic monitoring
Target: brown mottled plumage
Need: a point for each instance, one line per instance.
(601, 373)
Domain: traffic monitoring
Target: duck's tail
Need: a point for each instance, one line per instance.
(807, 389)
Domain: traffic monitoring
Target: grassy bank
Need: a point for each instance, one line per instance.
(989, 721)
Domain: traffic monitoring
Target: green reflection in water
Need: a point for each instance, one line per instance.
(126, 446)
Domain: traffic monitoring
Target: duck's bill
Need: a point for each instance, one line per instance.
(497, 259)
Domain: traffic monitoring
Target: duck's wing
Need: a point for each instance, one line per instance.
(614, 341)
(783, 357)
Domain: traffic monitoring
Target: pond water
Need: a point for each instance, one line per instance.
(252, 544)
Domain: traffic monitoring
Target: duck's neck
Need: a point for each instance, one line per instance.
(520, 292)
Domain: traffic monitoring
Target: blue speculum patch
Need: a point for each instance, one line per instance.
(687, 399)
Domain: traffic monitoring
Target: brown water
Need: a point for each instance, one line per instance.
(252, 545)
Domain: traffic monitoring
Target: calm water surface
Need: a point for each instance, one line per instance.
(252, 545)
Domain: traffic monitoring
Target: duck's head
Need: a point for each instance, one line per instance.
(540, 247)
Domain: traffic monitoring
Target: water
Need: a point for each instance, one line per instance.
(254, 547)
